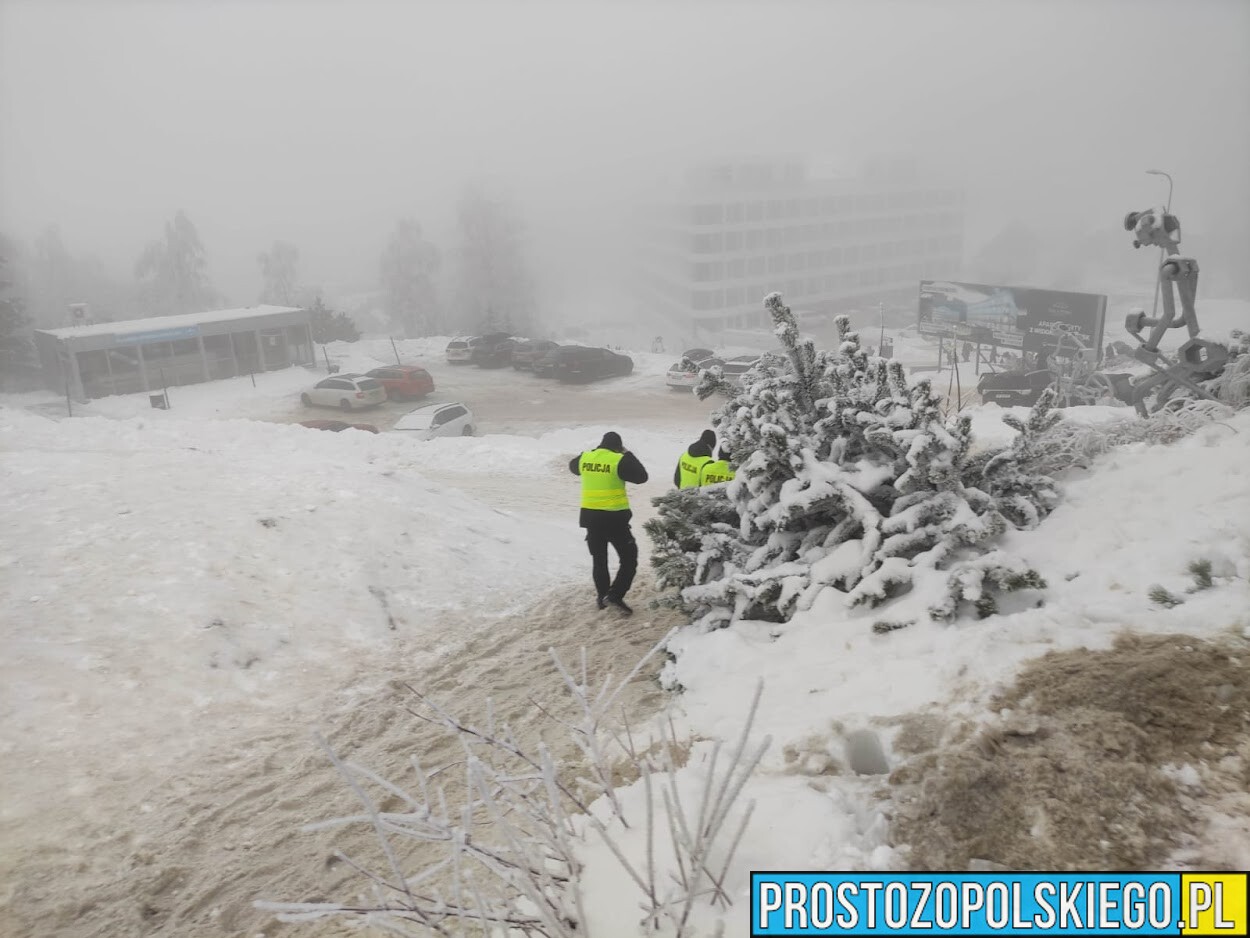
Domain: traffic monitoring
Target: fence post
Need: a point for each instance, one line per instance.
(69, 404)
(395, 350)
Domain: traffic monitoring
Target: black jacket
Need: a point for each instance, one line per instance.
(630, 469)
(697, 448)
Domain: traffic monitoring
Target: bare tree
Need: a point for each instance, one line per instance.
(278, 267)
(408, 268)
(173, 272)
(496, 291)
(16, 348)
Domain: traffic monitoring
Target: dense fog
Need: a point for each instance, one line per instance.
(322, 125)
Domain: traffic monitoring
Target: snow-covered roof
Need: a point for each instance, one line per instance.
(180, 321)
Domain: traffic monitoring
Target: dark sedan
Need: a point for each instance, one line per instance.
(526, 353)
(578, 364)
(493, 351)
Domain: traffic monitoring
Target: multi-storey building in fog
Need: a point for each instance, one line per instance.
(731, 233)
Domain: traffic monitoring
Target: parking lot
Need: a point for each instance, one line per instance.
(507, 401)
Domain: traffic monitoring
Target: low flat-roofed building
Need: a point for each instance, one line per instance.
(105, 358)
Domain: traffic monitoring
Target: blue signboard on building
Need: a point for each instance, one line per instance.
(158, 335)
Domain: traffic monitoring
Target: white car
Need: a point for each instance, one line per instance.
(734, 368)
(347, 392)
(433, 420)
(460, 350)
(684, 375)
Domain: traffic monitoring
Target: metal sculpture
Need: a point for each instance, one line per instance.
(1197, 359)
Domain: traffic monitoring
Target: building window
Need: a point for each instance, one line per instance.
(757, 266)
(707, 214)
(733, 213)
(829, 205)
(734, 296)
(705, 244)
(776, 208)
(777, 264)
(814, 284)
(831, 283)
(868, 252)
(850, 255)
(733, 240)
(811, 208)
(755, 211)
(737, 268)
(792, 208)
(796, 262)
(753, 239)
(829, 230)
(795, 287)
(707, 271)
(772, 237)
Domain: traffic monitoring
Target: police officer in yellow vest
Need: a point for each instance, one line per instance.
(697, 454)
(717, 470)
(605, 515)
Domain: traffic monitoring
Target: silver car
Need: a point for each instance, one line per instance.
(346, 392)
(425, 423)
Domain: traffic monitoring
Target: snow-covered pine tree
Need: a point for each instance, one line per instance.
(849, 477)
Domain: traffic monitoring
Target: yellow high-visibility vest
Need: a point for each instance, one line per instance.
(689, 467)
(715, 472)
(602, 488)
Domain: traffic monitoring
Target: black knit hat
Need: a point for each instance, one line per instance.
(708, 437)
(612, 440)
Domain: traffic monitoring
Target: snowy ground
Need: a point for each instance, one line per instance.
(187, 592)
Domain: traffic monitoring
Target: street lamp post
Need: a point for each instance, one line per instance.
(1162, 252)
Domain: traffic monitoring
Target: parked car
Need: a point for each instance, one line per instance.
(433, 420)
(526, 353)
(684, 375)
(348, 392)
(734, 368)
(337, 426)
(578, 363)
(460, 349)
(404, 382)
(1012, 388)
(492, 351)
(698, 354)
(545, 366)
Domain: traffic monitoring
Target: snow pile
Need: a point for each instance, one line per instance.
(205, 570)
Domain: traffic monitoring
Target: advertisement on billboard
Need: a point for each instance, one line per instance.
(1025, 319)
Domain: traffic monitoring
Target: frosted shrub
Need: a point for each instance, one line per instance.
(847, 477)
(507, 835)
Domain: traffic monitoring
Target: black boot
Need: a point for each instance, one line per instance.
(601, 602)
(619, 604)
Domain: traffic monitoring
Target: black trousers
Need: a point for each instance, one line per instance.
(601, 531)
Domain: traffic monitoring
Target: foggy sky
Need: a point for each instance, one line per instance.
(323, 123)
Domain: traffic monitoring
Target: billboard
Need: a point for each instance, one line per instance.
(1026, 319)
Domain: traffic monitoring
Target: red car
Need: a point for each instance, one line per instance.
(338, 426)
(404, 381)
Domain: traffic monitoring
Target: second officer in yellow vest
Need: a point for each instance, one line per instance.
(605, 515)
(717, 470)
(697, 454)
